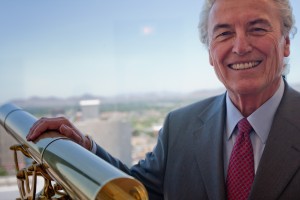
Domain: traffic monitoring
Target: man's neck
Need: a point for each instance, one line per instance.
(248, 103)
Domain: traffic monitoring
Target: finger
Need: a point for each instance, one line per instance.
(33, 127)
(71, 133)
(37, 130)
(44, 124)
(55, 123)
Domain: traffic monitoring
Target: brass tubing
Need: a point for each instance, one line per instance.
(82, 174)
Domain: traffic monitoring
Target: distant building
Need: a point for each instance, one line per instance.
(89, 109)
(113, 134)
(6, 155)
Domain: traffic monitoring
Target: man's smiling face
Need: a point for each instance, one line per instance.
(246, 45)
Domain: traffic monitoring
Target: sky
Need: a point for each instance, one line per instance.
(66, 48)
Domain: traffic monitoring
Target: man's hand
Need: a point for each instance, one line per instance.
(61, 125)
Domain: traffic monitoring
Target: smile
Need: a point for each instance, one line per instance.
(247, 65)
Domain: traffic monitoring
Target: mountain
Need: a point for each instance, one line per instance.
(52, 101)
(35, 102)
(154, 97)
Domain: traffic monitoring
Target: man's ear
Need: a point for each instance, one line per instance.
(287, 44)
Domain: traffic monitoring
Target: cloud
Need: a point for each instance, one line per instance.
(147, 30)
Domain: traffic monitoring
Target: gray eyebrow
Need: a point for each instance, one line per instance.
(220, 26)
(251, 23)
(260, 21)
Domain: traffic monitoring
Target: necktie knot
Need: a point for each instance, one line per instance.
(244, 126)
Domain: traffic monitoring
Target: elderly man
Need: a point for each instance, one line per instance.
(244, 144)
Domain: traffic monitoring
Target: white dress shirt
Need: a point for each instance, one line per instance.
(261, 121)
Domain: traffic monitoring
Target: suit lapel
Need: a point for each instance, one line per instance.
(281, 157)
(208, 148)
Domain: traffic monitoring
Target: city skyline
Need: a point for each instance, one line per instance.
(71, 48)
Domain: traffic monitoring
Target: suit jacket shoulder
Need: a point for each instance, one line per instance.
(278, 175)
(202, 109)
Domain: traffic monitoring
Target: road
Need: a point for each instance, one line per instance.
(9, 192)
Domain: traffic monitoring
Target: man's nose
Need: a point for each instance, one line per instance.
(241, 44)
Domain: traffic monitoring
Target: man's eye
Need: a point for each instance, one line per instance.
(224, 34)
(259, 31)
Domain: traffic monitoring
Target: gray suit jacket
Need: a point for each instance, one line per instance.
(187, 162)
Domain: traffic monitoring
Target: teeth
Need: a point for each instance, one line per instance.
(248, 65)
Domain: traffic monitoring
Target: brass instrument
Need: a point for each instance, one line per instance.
(76, 172)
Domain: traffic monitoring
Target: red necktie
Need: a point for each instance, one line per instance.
(241, 164)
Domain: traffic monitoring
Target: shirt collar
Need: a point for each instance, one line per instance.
(261, 120)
